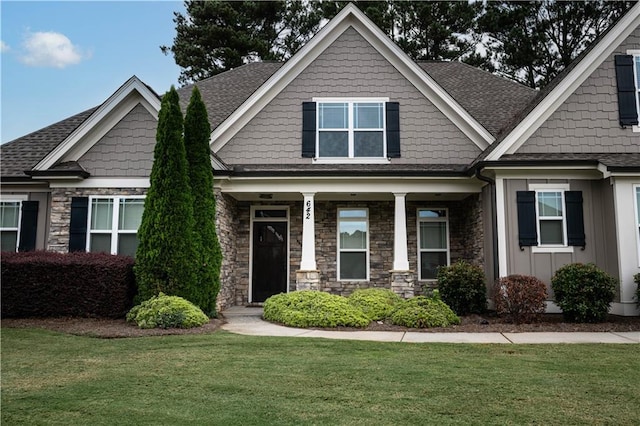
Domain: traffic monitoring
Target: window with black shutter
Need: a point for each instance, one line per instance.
(628, 82)
(78, 224)
(361, 129)
(28, 226)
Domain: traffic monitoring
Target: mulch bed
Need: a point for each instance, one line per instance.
(119, 328)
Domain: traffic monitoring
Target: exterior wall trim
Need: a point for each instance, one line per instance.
(103, 183)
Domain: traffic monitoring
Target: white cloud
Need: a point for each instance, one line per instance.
(50, 49)
(4, 47)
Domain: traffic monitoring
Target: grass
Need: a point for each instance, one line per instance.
(52, 378)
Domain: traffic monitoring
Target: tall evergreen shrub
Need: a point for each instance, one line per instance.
(197, 132)
(166, 257)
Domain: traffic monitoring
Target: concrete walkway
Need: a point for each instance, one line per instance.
(248, 321)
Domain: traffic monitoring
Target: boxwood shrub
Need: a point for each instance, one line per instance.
(462, 287)
(423, 312)
(164, 311)
(376, 303)
(583, 292)
(311, 308)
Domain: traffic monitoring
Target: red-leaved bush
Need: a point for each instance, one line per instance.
(46, 284)
(520, 298)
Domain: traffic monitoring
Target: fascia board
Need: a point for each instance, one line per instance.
(519, 135)
(350, 16)
(152, 103)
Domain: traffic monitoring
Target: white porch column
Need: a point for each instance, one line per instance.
(400, 254)
(308, 262)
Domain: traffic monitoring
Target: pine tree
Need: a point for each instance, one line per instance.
(196, 139)
(166, 256)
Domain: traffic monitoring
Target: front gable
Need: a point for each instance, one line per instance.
(349, 57)
(588, 122)
(274, 134)
(131, 95)
(126, 150)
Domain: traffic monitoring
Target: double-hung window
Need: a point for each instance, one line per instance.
(433, 241)
(351, 129)
(551, 218)
(9, 224)
(113, 224)
(628, 86)
(353, 244)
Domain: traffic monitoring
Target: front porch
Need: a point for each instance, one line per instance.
(393, 240)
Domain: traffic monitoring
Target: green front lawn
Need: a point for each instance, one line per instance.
(226, 379)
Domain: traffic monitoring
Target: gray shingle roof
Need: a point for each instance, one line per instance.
(493, 101)
(611, 161)
(23, 153)
(225, 92)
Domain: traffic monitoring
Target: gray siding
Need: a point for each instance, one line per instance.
(126, 150)
(600, 237)
(588, 120)
(350, 67)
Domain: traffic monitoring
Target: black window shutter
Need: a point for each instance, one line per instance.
(28, 226)
(309, 129)
(527, 233)
(626, 90)
(575, 218)
(78, 225)
(393, 129)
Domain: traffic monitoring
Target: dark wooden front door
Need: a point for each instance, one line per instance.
(269, 273)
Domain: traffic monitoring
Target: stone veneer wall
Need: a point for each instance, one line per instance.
(226, 227)
(465, 231)
(58, 239)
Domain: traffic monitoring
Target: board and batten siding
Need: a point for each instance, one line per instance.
(588, 121)
(599, 230)
(126, 150)
(350, 67)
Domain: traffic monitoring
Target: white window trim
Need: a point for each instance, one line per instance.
(636, 195)
(350, 129)
(252, 210)
(15, 199)
(420, 250)
(114, 231)
(339, 250)
(636, 53)
(551, 248)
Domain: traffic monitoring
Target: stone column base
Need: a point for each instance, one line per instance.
(403, 283)
(307, 280)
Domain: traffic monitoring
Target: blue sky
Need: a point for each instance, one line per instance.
(61, 58)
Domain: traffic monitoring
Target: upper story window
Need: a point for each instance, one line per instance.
(113, 224)
(628, 83)
(9, 224)
(351, 130)
(365, 130)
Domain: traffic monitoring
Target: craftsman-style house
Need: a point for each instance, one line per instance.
(350, 166)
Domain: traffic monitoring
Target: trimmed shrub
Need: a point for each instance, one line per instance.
(47, 284)
(583, 292)
(164, 311)
(520, 298)
(462, 287)
(423, 312)
(636, 278)
(376, 303)
(313, 309)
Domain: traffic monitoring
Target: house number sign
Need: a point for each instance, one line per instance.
(307, 210)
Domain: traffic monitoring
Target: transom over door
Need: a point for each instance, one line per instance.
(269, 268)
